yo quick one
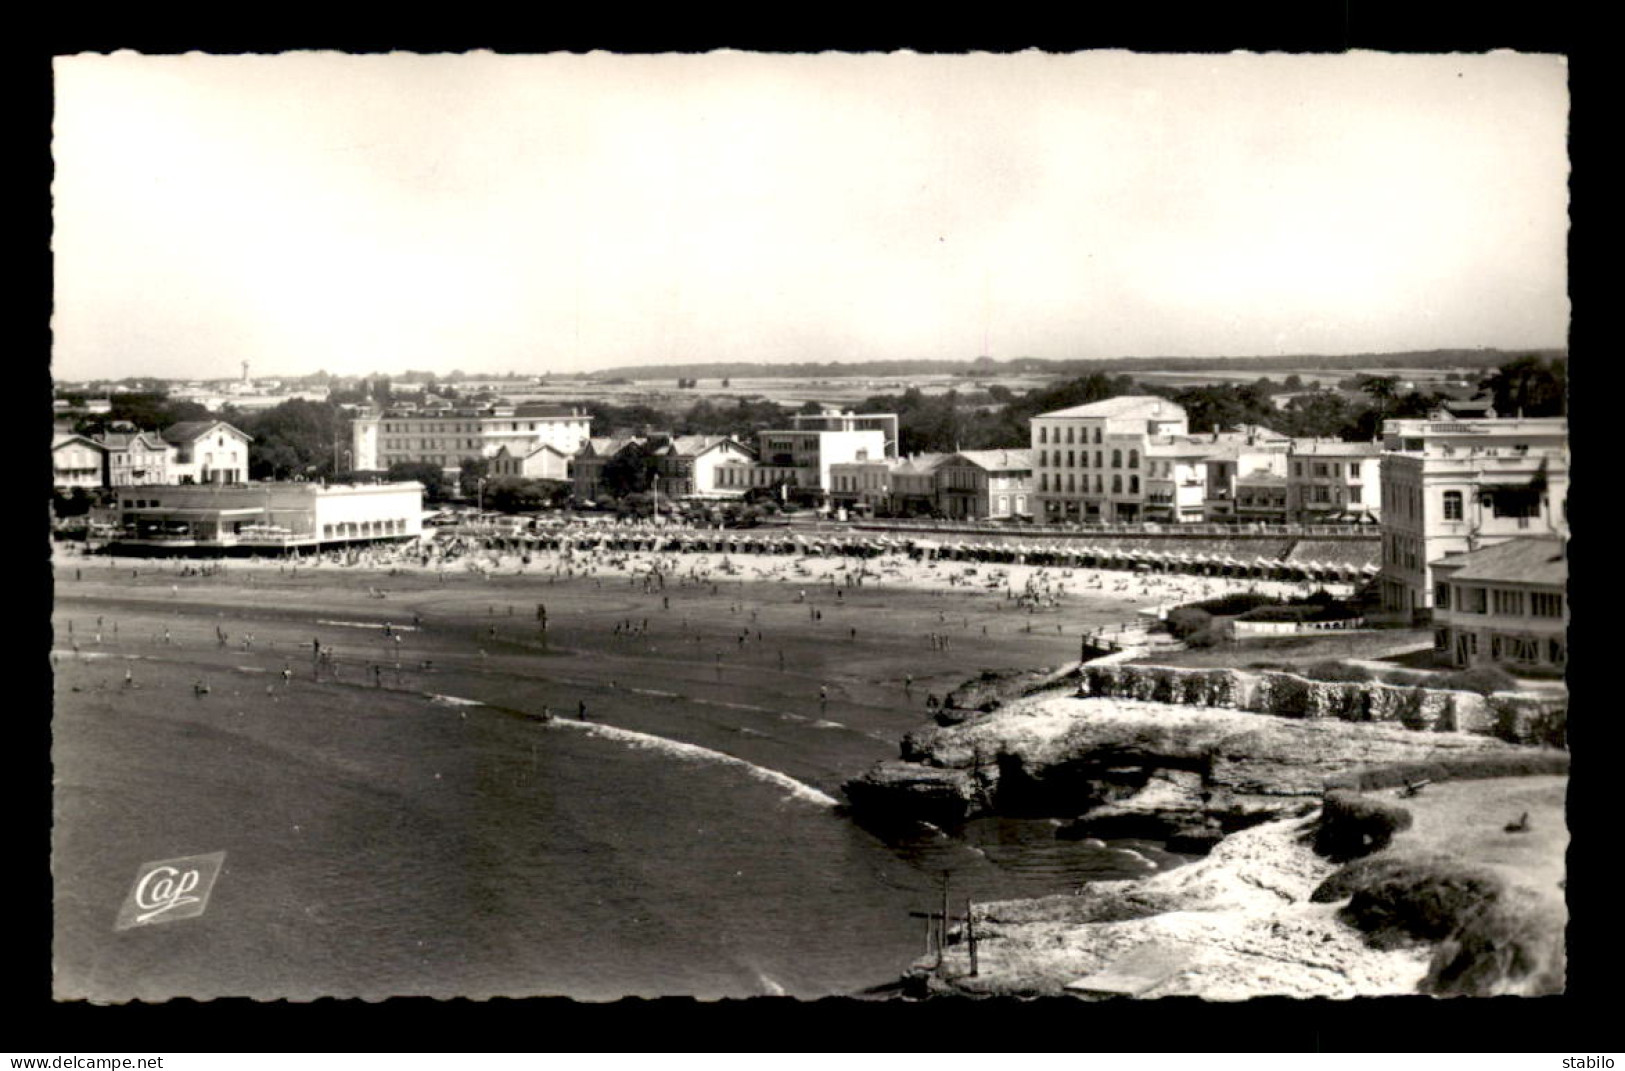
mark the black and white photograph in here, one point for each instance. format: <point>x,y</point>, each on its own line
<point>890,526</point>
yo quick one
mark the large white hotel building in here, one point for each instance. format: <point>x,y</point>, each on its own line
<point>447,437</point>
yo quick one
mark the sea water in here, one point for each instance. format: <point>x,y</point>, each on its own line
<point>435,845</point>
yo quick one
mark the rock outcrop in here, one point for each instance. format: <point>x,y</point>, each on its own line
<point>1138,768</point>
<point>1238,924</point>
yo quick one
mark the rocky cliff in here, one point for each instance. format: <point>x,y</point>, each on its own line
<point>1122,768</point>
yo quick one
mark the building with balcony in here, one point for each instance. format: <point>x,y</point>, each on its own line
<point>1333,482</point>
<point>815,442</point>
<point>862,486</point>
<point>77,461</point>
<point>207,451</point>
<point>448,437</point>
<point>985,484</point>
<point>1176,481</point>
<point>914,485</point>
<point>688,465</point>
<point>136,458</point>
<point>1455,486</point>
<point>1260,499</point>
<point>1504,605</point>
<point>1089,459</point>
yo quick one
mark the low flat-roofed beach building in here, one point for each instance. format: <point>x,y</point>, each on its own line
<point>264,517</point>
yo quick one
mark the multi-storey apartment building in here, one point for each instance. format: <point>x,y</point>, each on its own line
<point>1260,499</point>
<point>1195,477</point>
<point>449,437</point>
<point>985,484</point>
<point>1333,481</point>
<point>135,458</point>
<point>1089,459</point>
<point>1453,486</point>
<point>1506,604</point>
<point>1176,480</point>
<point>861,485</point>
<point>914,484</point>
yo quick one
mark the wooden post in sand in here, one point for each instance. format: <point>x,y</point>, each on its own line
<point>970,935</point>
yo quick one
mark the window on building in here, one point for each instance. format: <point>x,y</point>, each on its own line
<point>1117,485</point>
<point>1117,459</point>
<point>1441,639</point>
<point>1354,494</point>
<point>1297,468</point>
<point>1133,485</point>
<point>1097,435</point>
<point>1441,596</point>
<point>1133,459</point>
<point>1043,481</point>
<point>1043,434</point>
<point>1546,604</point>
<point>1452,505</point>
<point>1472,600</point>
<point>1556,652</point>
<point>1322,493</point>
<point>1069,432</point>
<point>1515,502</point>
<point>1508,603</point>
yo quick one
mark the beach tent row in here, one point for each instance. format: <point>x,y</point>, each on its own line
<point>1060,553</point>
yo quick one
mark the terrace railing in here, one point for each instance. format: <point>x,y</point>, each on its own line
<point>1242,530</point>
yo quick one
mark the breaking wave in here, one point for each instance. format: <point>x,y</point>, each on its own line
<point>695,753</point>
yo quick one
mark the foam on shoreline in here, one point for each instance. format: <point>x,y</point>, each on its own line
<point>694,753</point>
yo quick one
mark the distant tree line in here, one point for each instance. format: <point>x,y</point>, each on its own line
<point>310,440</point>
<point>1485,359</point>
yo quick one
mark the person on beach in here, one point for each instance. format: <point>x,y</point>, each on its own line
<point>581,709</point>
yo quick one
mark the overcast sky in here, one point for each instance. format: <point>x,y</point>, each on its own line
<point>570,213</point>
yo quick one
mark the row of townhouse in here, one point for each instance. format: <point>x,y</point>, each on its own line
<point>191,452</point>
<point>684,466</point>
<point>966,485</point>
<point>1132,458</point>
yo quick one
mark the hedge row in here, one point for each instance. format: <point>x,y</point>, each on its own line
<point>1518,718</point>
<point>1352,825</point>
<point>1455,768</point>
